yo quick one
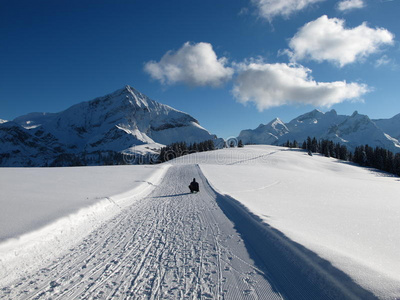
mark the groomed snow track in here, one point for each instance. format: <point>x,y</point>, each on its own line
<point>176,245</point>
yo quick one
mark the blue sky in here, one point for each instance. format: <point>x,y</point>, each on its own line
<point>230,64</point>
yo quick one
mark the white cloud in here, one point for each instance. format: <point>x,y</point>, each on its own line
<point>193,64</point>
<point>384,60</point>
<point>269,9</point>
<point>328,39</point>
<point>269,85</point>
<point>346,5</point>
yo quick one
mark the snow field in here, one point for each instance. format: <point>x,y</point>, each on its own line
<point>46,211</point>
<point>281,224</point>
<point>346,214</point>
<point>169,245</point>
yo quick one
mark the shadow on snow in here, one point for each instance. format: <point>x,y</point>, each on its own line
<point>297,272</point>
<point>170,196</point>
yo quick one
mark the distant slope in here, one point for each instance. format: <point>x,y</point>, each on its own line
<point>113,123</point>
<point>351,130</point>
<point>345,214</point>
<point>390,126</point>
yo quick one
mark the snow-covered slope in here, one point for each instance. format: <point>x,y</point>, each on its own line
<point>295,222</point>
<point>346,214</point>
<point>116,122</point>
<point>3,121</point>
<point>390,126</point>
<point>351,130</point>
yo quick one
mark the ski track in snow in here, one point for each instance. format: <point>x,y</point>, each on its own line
<point>177,245</point>
<point>169,245</point>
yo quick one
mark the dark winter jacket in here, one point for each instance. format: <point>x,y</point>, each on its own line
<point>194,186</point>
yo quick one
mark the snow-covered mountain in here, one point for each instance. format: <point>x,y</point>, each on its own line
<point>390,126</point>
<point>123,121</point>
<point>265,134</point>
<point>351,130</point>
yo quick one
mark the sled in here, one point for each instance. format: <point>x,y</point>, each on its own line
<point>193,191</point>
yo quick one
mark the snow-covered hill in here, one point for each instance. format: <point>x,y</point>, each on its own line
<point>277,224</point>
<point>351,130</point>
<point>344,213</point>
<point>117,122</point>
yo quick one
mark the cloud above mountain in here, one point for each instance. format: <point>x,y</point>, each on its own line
<point>326,39</point>
<point>193,64</point>
<point>270,85</point>
<point>270,9</point>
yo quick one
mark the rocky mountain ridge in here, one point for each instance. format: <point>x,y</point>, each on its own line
<point>352,131</point>
<point>125,121</point>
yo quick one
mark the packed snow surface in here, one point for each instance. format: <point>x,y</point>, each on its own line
<point>268,223</point>
<point>175,245</point>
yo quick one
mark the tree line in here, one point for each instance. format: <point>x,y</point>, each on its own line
<point>366,156</point>
<point>109,157</point>
<point>378,158</point>
<point>175,150</point>
<point>96,158</point>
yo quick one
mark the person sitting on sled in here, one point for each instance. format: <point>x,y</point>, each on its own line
<point>194,186</point>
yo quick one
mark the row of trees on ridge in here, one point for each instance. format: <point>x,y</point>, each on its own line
<point>175,150</point>
<point>366,156</point>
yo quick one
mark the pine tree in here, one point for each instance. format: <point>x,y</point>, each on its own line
<point>331,149</point>
<point>396,164</point>
<point>211,145</point>
<point>309,142</point>
<point>343,153</point>
<point>314,145</point>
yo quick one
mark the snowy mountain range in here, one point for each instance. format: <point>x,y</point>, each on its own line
<point>123,121</point>
<point>352,131</point>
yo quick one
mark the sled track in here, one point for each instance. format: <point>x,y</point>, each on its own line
<point>172,245</point>
<point>169,245</point>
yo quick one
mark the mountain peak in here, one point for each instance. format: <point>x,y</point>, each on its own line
<point>360,117</point>
<point>396,117</point>
<point>115,122</point>
<point>276,122</point>
<point>310,117</point>
<point>332,112</point>
<point>132,90</point>
<point>352,131</point>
